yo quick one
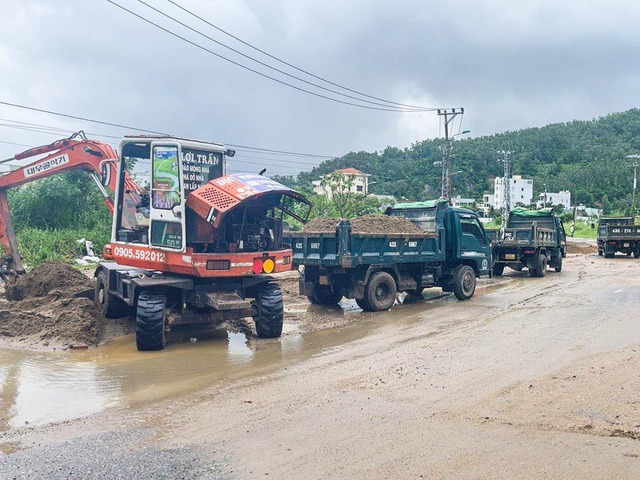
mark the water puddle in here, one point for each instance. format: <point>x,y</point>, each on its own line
<point>38,388</point>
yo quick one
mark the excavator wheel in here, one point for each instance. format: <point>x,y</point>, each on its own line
<point>150,319</point>
<point>110,305</point>
<point>270,317</point>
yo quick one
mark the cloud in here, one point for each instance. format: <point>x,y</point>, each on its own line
<point>511,65</point>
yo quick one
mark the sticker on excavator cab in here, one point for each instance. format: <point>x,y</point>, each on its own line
<point>166,234</point>
<point>166,180</point>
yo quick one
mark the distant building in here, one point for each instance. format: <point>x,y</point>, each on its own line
<point>360,182</point>
<point>521,191</point>
<point>562,197</point>
<point>462,202</point>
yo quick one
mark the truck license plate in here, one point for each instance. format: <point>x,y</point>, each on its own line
<point>509,256</point>
<point>625,244</point>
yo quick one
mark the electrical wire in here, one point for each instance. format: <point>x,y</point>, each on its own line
<point>166,15</point>
<point>319,95</point>
<point>417,108</point>
<point>126,127</point>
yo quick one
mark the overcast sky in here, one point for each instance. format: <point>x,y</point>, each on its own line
<point>510,64</point>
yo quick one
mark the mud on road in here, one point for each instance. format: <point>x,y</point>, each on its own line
<point>532,378</point>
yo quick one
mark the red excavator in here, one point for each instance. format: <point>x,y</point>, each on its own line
<point>196,247</point>
<point>202,243</point>
<point>73,153</point>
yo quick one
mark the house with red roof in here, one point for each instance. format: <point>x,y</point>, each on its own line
<point>359,182</point>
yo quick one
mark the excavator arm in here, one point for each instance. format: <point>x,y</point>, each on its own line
<point>73,153</point>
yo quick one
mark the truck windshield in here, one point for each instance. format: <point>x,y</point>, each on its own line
<point>424,218</point>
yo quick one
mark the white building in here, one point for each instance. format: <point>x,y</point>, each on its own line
<point>562,197</point>
<point>360,182</point>
<point>521,191</point>
<point>458,201</point>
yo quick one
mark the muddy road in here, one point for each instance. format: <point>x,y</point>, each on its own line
<point>532,378</point>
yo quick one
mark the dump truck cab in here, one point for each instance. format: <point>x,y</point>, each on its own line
<point>462,236</point>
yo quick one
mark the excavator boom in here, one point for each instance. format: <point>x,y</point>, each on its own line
<point>73,153</point>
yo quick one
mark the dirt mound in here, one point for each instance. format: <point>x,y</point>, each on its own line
<point>46,278</point>
<point>584,248</point>
<point>46,309</point>
<point>373,223</point>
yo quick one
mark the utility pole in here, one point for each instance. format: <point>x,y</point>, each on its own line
<point>449,115</point>
<point>506,184</point>
<point>635,182</point>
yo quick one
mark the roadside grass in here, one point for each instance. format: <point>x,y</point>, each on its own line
<point>39,246</point>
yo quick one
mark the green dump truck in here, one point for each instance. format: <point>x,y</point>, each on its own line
<point>446,247</point>
<point>618,234</point>
<point>532,239</point>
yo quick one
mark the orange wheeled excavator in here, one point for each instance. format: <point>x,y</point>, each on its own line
<point>203,248</point>
<point>197,247</point>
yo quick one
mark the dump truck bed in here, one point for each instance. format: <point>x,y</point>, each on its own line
<point>347,249</point>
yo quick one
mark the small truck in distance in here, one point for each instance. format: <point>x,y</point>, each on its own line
<point>374,257</point>
<point>531,239</point>
<point>618,234</point>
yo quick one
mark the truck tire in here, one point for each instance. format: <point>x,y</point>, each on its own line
<point>599,252</point>
<point>381,291</point>
<point>110,305</point>
<point>608,255</point>
<point>464,282</point>
<point>498,269</point>
<point>270,317</point>
<point>364,304</point>
<point>325,295</point>
<point>558,265</point>
<point>636,253</point>
<point>150,321</point>
<point>541,267</point>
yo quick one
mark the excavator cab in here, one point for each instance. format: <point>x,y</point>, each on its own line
<point>170,169</point>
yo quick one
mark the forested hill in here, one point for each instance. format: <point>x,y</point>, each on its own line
<point>585,157</point>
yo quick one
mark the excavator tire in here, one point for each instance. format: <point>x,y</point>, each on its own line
<point>150,318</point>
<point>270,317</point>
<point>110,305</point>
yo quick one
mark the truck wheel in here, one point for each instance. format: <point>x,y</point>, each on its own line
<point>609,255</point>
<point>541,267</point>
<point>599,252</point>
<point>498,269</point>
<point>364,304</point>
<point>150,313</point>
<point>110,305</point>
<point>636,253</point>
<point>325,295</point>
<point>381,291</point>
<point>464,282</point>
<point>270,311</point>
<point>558,265</point>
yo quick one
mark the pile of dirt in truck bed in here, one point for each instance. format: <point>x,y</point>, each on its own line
<point>46,309</point>
<point>381,224</point>
<point>584,248</point>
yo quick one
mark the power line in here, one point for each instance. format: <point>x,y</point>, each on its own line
<point>166,30</point>
<point>166,15</point>
<point>417,108</point>
<point>126,127</point>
